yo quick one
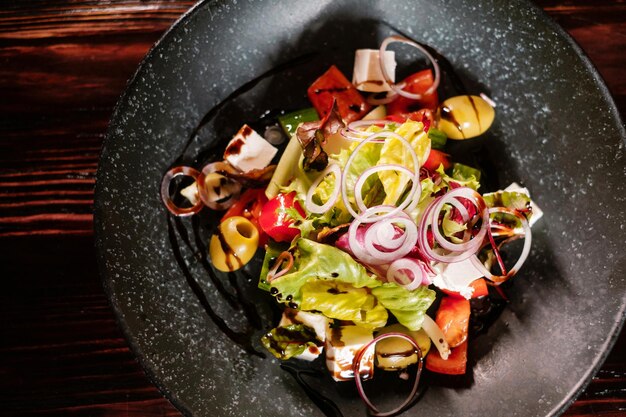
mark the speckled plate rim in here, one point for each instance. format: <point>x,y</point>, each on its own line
<point>560,408</point>
<point>98,227</point>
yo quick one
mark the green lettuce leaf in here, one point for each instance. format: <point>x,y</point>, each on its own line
<point>317,261</point>
<point>461,172</point>
<point>409,307</point>
<point>451,227</point>
<point>510,199</point>
<point>471,181</point>
<point>341,301</point>
<point>395,152</point>
<point>285,342</point>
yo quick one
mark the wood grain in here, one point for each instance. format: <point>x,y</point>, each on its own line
<point>63,65</point>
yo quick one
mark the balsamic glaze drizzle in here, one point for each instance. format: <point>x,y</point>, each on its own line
<point>240,338</point>
<point>289,64</point>
<point>326,405</point>
<point>201,255</point>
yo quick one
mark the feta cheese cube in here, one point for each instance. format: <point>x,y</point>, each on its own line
<point>248,150</point>
<point>367,75</point>
<point>342,345</point>
<point>457,277</point>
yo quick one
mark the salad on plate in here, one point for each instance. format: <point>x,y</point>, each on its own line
<point>375,239</point>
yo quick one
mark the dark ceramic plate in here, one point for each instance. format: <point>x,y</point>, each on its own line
<point>557,132</point>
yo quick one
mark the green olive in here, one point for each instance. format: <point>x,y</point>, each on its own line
<point>233,244</point>
<point>394,353</point>
<point>465,117</point>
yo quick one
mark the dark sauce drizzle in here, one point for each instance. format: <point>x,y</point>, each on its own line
<point>241,338</point>
<point>326,405</point>
<point>299,60</point>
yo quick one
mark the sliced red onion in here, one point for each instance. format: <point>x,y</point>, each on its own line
<point>415,186</point>
<point>451,198</point>
<point>436,335</point>
<point>398,269</point>
<point>310,205</point>
<point>354,126</point>
<point>396,87</point>
<point>356,367</point>
<point>360,182</point>
<point>456,252</point>
<point>274,273</point>
<point>222,197</point>
<point>364,249</point>
<point>354,132</point>
<point>499,279</point>
<point>165,191</point>
<point>394,248</point>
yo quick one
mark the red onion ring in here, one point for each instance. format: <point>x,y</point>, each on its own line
<point>499,279</point>
<point>272,274</point>
<point>396,250</point>
<point>360,182</point>
<point>369,254</point>
<point>396,87</point>
<point>202,188</point>
<point>457,252</point>
<point>450,198</point>
<point>165,191</point>
<point>416,267</point>
<point>352,132</point>
<point>315,208</point>
<point>356,367</point>
<point>415,186</point>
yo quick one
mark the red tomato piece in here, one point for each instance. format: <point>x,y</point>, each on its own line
<point>453,319</point>
<point>333,85</point>
<point>249,205</point>
<point>480,289</point>
<point>456,363</point>
<point>417,83</point>
<point>436,158</point>
<point>275,219</point>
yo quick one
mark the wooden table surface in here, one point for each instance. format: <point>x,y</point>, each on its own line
<point>63,65</point>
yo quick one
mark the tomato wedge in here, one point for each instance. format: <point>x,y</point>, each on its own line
<point>249,205</point>
<point>480,289</point>
<point>333,85</point>
<point>453,319</point>
<point>417,83</point>
<point>275,219</point>
<point>456,364</point>
<point>436,158</point>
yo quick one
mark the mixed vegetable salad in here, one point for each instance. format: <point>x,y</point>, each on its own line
<point>365,221</point>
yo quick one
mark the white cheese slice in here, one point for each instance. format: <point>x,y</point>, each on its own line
<point>457,277</point>
<point>191,193</point>
<point>367,75</point>
<point>342,345</point>
<point>317,322</point>
<point>537,212</point>
<point>248,150</point>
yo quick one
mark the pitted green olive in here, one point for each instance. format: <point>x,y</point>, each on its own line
<point>233,244</point>
<point>394,353</point>
<point>465,117</point>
